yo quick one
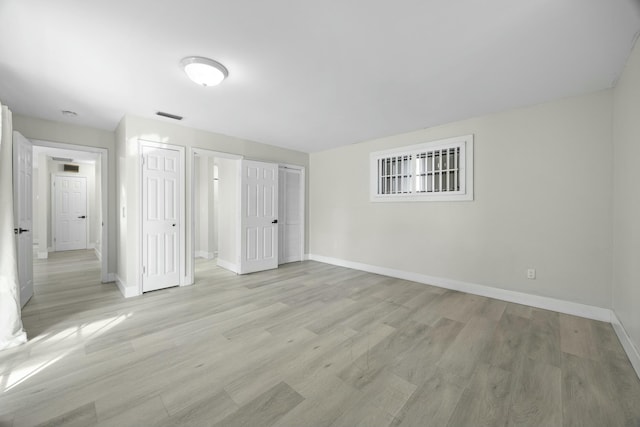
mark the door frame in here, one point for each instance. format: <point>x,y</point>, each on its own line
<point>303,193</point>
<point>103,153</point>
<point>87,234</point>
<point>182,247</point>
<point>192,191</point>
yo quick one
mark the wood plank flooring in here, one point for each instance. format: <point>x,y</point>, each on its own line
<point>308,344</point>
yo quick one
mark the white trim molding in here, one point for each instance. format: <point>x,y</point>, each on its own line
<point>627,344</point>
<point>125,290</point>
<point>547,303</point>
<point>227,265</point>
<point>43,254</point>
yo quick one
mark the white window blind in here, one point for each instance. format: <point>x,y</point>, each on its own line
<point>438,170</point>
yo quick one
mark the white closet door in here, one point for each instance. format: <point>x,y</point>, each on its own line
<point>160,218</point>
<point>70,212</point>
<point>259,216</point>
<point>291,233</point>
<point>23,189</point>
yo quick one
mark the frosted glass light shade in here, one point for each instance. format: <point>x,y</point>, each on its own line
<point>204,71</point>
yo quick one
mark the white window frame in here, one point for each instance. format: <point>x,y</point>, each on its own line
<point>464,171</point>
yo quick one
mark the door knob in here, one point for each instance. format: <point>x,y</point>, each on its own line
<point>275,221</point>
<point>83,216</point>
<point>22,230</point>
<point>173,225</point>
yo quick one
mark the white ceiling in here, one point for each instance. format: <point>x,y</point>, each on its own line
<point>308,75</point>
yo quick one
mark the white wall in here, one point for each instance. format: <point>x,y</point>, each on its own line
<point>228,212</point>
<point>199,214</point>
<point>98,208</point>
<point>128,134</point>
<point>41,206</point>
<point>122,221</point>
<point>204,203</point>
<point>626,199</point>
<point>34,128</point>
<point>214,208</point>
<point>35,193</point>
<point>543,179</point>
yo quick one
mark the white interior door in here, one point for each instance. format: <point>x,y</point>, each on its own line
<point>161,188</point>
<point>291,215</point>
<point>258,216</point>
<point>70,210</point>
<point>23,205</point>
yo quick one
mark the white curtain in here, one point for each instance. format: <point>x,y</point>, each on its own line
<point>11,332</point>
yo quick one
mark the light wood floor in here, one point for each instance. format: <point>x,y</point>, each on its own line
<point>308,344</point>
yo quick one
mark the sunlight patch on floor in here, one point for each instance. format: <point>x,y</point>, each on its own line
<point>82,333</point>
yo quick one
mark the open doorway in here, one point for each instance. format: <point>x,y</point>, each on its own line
<point>215,209</point>
<point>291,189</point>
<point>55,227</point>
<point>221,191</point>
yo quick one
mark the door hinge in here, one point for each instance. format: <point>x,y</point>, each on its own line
<point>142,160</point>
<point>144,270</point>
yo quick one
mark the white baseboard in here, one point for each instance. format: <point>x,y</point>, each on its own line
<point>561,306</point>
<point>228,265</point>
<point>205,255</point>
<point>91,245</point>
<point>111,277</point>
<point>627,344</point>
<point>98,253</point>
<point>547,303</point>
<point>43,254</point>
<point>126,291</point>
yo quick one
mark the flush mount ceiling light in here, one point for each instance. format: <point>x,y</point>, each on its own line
<point>204,71</point>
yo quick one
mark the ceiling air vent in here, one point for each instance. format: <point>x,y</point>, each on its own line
<point>170,116</point>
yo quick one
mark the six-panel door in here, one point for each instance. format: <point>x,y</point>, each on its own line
<point>160,218</point>
<point>23,175</point>
<point>259,216</point>
<point>70,212</point>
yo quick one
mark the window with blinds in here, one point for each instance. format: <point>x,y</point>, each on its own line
<point>438,170</point>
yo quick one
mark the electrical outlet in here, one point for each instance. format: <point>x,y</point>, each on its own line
<point>531,273</point>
